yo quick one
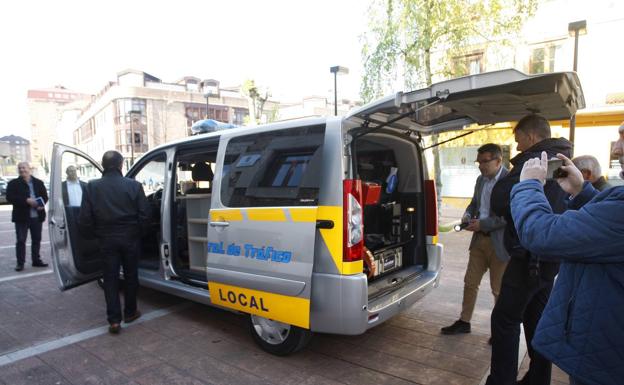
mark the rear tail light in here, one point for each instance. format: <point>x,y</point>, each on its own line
<point>431,208</point>
<point>353,220</point>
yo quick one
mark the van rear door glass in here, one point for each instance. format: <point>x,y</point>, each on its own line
<point>276,168</point>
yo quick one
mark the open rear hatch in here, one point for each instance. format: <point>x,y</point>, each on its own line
<point>394,223</point>
<point>487,98</point>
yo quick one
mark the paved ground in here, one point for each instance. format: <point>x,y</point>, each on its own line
<point>53,337</point>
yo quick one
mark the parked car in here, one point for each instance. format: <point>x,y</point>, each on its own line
<point>274,221</point>
<point>3,186</point>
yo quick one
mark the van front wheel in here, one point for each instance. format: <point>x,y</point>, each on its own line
<point>276,337</point>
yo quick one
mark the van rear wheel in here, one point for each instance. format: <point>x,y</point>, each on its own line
<point>276,337</point>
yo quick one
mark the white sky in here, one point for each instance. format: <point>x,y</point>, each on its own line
<point>285,45</point>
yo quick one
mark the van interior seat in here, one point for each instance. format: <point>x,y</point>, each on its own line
<point>201,172</point>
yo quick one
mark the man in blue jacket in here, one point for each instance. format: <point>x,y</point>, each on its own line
<point>582,327</point>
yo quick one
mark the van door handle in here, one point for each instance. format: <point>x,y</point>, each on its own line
<point>219,224</point>
<point>324,224</point>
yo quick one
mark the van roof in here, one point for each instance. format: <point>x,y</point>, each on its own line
<point>244,130</point>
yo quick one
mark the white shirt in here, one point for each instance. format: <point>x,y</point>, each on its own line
<point>74,193</point>
<point>486,193</point>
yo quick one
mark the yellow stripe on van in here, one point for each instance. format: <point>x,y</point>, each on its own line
<point>283,308</point>
<point>333,240</point>
<point>350,268</point>
<point>270,215</point>
<point>307,214</point>
<point>226,215</point>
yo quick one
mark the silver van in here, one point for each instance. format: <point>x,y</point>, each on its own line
<point>316,225</point>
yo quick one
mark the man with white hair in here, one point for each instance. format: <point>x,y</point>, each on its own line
<point>590,168</point>
<point>28,196</point>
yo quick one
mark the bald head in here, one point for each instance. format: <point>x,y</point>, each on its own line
<point>112,160</point>
<point>71,173</point>
<point>23,169</point>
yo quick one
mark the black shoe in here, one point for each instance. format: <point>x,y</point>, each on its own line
<point>19,267</point>
<point>458,327</point>
<point>133,317</point>
<point>39,263</point>
<point>114,328</point>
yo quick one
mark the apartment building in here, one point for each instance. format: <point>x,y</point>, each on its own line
<point>45,108</point>
<point>139,111</point>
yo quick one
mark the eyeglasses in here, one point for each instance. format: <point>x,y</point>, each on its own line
<point>479,162</point>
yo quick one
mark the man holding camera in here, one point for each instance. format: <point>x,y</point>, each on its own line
<point>487,251</point>
<point>527,281</point>
<point>28,196</point>
<point>581,329</point>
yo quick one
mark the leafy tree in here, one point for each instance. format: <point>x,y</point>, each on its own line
<point>404,34</point>
<point>256,99</point>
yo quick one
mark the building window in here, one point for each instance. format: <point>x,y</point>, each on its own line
<point>471,64</point>
<point>87,130</point>
<point>239,116</point>
<point>544,58</point>
<point>195,112</point>
<point>123,108</point>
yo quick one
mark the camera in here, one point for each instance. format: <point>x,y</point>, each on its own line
<point>554,170</point>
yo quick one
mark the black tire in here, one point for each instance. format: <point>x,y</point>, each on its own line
<point>285,343</point>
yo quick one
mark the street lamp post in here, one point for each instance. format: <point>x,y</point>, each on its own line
<point>207,94</point>
<point>210,87</point>
<point>337,70</point>
<point>576,29</point>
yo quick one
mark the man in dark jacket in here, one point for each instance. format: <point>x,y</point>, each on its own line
<point>114,209</point>
<point>582,328</point>
<point>28,196</point>
<point>72,188</point>
<point>527,281</point>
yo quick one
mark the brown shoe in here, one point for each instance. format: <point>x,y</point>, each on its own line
<point>133,317</point>
<point>114,328</point>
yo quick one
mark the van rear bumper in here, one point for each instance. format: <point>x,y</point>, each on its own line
<point>340,302</point>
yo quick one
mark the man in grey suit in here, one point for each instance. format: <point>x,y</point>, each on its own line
<point>487,250</point>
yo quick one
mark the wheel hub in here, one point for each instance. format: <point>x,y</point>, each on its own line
<point>272,332</point>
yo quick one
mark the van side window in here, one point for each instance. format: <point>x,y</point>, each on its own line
<point>277,168</point>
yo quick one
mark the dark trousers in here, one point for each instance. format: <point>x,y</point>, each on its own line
<point>575,382</point>
<point>21,233</point>
<point>521,300</point>
<point>120,251</point>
